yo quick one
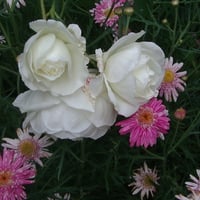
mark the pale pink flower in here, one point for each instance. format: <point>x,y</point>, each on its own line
<point>57,196</point>
<point>150,122</point>
<point>180,113</point>
<point>195,184</point>
<point>17,2</point>
<point>15,172</point>
<point>192,196</point>
<point>30,146</point>
<point>2,39</point>
<point>172,82</point>
<point>104,12</point>
<point>145,180</point>
<point>193,187</point>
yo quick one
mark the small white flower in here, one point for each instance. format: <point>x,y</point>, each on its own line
<point>57,196</point>
<point>2,39</point>
<point>17,2</point>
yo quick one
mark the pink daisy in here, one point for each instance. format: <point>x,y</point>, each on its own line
<point>147,124</point>
<point>145,180</point>
<point>15,172</point>
<point>172,82</point>
<point>30,146</point>
<point>104,12</point>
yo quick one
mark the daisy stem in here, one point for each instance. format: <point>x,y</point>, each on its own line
<point>63,9</point>
<point>125,30</point>
<point>43,11</point>
<point>82,164</point>
<point>174,135</point>
<point>155,156</point>
<point>174,30</point>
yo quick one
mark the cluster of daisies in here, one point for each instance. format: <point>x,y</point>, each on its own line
<point>18,164</point>
<point>18,160</point>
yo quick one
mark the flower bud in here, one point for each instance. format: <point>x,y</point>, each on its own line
<point>175,2</point>
<point>180,113</point>
<point>118,11</point>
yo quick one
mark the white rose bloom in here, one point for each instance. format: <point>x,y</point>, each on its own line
<point>53,59</point>
<point>87,113</point>
<point>133,72</point>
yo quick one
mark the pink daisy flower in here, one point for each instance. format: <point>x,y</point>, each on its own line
<point>145,180</point>
<point>104,12</point>
<point>30,146</point>
<point>15,172</point>
<point>147,124</point>
<point>172,82</point>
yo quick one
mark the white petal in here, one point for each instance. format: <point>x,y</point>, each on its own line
<point>34,101</point>
<point>57,118</point>
<point>120,64</point>
<point>78,100</point>
<point>122,107</point>
<point>104,113</point>
<point>123,42</point>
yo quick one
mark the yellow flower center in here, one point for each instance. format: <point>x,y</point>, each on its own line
<point>145,117</point>
<point>108,13</point>
<point>5,178</point>
<point>27,148</point>
<point>169,76</point>
<point>148,181</point>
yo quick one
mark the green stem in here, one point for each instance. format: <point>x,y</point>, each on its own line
<point>43,11</point>
<point>174,31</point>
<point>155,156</point>
<point>174,135</point>
<point>125,30</point>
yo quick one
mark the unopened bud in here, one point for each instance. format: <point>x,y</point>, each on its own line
<point>180,113</point>
<point>175,2</point>
<point>165,21</point>
<point>118,11</point>
<point>128,11</point>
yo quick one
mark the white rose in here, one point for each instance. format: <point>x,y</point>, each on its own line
<point>133,72</point>
<point>87,113</point>
<point>53,59</point>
